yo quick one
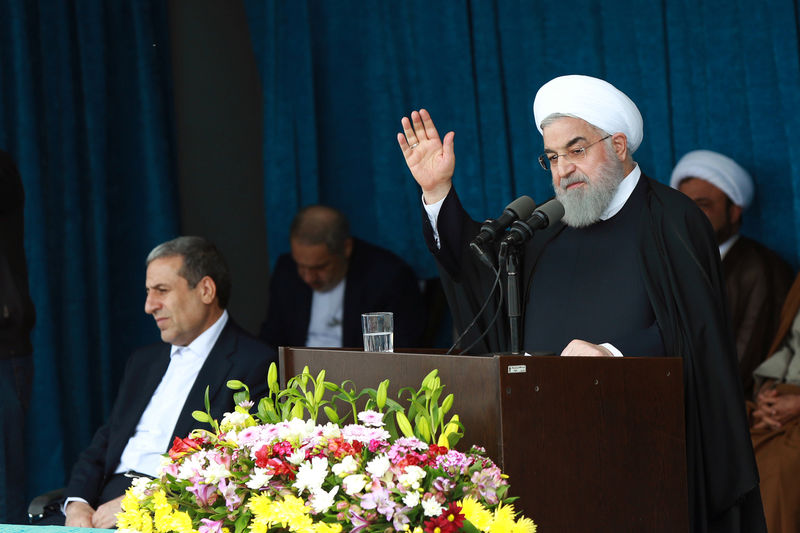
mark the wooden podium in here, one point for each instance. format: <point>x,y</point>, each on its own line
<point>589,443</point>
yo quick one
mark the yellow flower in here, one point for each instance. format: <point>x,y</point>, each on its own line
<point>261,505</point>
<point>324,527</point>
<point>525,525</point>
<point>182,522</point>
<point>476,513</point>
<point>503,521</point>
<point>129,502</point>
<point>135,520</point>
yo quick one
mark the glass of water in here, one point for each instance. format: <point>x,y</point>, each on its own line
<point>378,330</point>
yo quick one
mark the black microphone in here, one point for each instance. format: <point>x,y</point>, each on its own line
<point>546,214</point>
<point>520,208</point>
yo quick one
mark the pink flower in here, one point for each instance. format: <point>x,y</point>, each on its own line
<point>210,526</point>
<point>228,490</point>
<point>204,494</point>
<point>371,418</point>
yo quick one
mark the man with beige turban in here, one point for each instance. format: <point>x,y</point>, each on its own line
<point>632,269</point>
<point>756,278</point>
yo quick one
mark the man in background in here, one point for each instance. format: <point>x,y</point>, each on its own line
<point>756,278</point>
<point>188,288</point>
<point>16,359</point>
<point>318,292</point>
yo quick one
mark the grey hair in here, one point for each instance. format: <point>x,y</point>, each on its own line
<point>200,259</point>
<point>321,224</point>
<point>552,117</point>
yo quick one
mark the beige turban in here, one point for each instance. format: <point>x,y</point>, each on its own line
<point>720,171</point>
<point>596,101</point>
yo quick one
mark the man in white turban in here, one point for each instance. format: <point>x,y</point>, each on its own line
<point>756,278</point>
<point>631,270</point>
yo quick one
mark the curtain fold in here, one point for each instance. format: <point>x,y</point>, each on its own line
<point>714,74</point>
<point>86,112</point>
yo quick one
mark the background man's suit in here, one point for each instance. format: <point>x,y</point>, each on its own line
<point>235,355</point>
<point>377,280</point>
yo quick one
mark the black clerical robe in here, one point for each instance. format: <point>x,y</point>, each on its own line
<point>677,266</point>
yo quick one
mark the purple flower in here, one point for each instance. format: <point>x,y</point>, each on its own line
<point>228,490</point>
<point>380,500</point>
<point>356,432</point>
<point>485,483</point>
<point>443,484</point>
<point>453,462</point>
<point>204,494</point>
<point>371,418</point>
<point>210,526</point>
<point>358,521</point>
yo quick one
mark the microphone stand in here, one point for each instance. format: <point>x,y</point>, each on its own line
<point>511,255</point>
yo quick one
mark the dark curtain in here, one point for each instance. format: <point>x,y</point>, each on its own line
<point>85,109</point>
<point>338,76</point>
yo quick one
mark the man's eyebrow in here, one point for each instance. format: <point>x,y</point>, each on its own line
<point>571,143</point>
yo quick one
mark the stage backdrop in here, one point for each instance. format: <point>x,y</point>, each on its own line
<point>85,109</point>
<point>338,76</point>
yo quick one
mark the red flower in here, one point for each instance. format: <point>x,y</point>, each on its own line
<point>450,521</point>
<point>181,447</point>
<point>262,456</point>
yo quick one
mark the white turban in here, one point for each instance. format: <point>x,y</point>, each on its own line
<point>720,171</point>
<point>596,101</point>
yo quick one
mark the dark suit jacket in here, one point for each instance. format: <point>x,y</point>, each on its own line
<point>236,355</point>
<point>757,281</point>
<point>377,280</point>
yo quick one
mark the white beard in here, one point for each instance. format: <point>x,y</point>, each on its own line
<point>584,205</point>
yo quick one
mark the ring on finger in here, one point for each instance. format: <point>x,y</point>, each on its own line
<point>414,145</point>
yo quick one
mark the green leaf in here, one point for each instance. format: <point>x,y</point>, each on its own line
<point>380,399</point>
<point>272,378</point>
<point>424,429</point>
<point>404,424</point>
<point>239,397</point>
<point>297,410</point>
<point>332,415</point>
<point>208,402</point>
<point>242,522</point>
<point>201,416</point>
<point>447,404</point>
<point>426,382</point>
<point>235,384</point>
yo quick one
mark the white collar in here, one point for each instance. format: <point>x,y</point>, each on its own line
<point>624,191</point>
<point>725,247</point>
<point>204,342</point>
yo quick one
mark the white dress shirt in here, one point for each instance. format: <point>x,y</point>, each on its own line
<point>327,313</point>
<point>146,447</point>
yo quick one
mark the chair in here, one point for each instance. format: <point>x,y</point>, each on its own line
<point>45,505</point>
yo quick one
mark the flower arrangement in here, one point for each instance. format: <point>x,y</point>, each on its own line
<point>389,469</point>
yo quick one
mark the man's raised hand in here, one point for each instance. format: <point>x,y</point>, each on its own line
<point>430,161</point>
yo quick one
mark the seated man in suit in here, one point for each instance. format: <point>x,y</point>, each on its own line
<point>188,287</point>
<point>756,278</point>
<point>317,294</point>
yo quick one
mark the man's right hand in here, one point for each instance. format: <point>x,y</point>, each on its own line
<point>431,163</point>
<point>79,514</point>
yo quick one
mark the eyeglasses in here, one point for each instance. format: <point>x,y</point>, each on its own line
<point>573,155</point>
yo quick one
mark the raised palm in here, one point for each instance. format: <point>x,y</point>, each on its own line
<point>430,161</point>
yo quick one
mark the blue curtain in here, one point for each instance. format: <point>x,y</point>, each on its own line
<point>85,109</point>
<point>338,76</point>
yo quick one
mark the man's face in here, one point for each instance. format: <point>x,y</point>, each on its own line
<point>723,214</point>
<point>318,267</point>
<point>585,185</point>
<point>181,312</point>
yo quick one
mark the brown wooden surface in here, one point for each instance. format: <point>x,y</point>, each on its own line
<point>472,380</point>
<point>596,444</point>
<point>589,444</point>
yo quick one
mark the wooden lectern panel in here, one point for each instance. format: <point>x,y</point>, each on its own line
<point>472,380</point>
<point>596,444</point>
<point>589,443</point>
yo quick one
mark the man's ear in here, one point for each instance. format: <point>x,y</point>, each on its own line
<point>348,247</point>
<point>208,290</point>
<point>734,213</point>
<point>620,143</point>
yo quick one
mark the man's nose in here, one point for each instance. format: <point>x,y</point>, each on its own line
<point>150,304</point>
